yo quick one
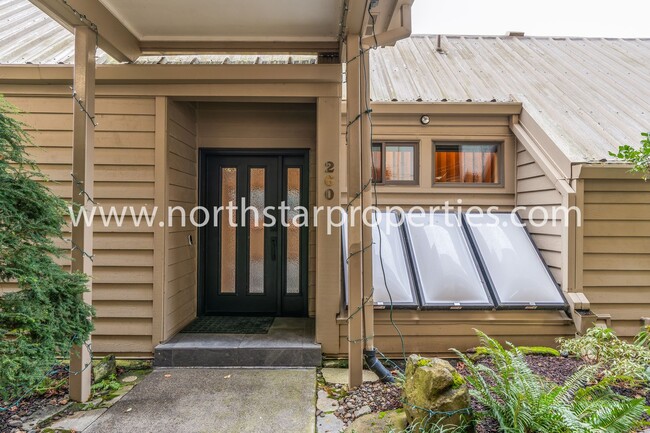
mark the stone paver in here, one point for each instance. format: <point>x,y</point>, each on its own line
<point>79,421</point>
<point>329,423</point>
<point>216,400</point>
<point>340,375</point>
<point>324,403</point>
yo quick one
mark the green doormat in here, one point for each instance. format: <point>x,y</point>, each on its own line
<point>229,325</point>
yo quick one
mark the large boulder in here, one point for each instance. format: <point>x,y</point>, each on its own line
<point>392,421</point>
<point>434,393</point>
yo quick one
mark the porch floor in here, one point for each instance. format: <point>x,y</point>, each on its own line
<point>289,343</point>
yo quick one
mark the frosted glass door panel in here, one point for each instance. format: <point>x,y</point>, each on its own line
<point>518,274</point>
<point>446,270</point>
<point>228,230</point>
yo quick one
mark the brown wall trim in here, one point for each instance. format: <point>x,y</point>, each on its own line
<point>176,74</point>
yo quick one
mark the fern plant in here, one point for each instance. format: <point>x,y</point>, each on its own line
<point>523,402</point>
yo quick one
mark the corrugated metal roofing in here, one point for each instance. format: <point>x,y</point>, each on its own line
<point>590,95</point>
<point>30,36</point>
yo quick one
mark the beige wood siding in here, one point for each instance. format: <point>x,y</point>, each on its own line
<point>264,126</point>
<point>538,195</point>
<point>435,332</point>
<point>124,176</point>
<point>181,262</point>
<point>616,258</point>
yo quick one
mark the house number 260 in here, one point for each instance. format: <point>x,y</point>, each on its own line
<point>329,179</point>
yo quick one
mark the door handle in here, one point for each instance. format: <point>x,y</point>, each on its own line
<point>273,249</point>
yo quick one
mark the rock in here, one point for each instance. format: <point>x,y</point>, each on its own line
<point>15,423</point>
<point>129,379</point>
<point>329,423</point>
<point>325,403</point>
<point>382,422</point>
<point>363,410</point>
<point>432,384</point>
<point>105,368</point>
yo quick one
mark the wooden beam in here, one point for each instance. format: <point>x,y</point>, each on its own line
<point>367,200</point>
<point>83,173</point>
<point>114,37</point>
<point>238,47</point>
<point>328,265</point>
<point>355,282</point>
<point>176,74</point>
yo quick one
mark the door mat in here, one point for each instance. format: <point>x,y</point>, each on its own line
<point>229,325</point>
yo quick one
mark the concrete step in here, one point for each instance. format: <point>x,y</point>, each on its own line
<point>289,343</point>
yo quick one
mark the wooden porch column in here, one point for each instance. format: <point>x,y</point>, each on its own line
<point>367,201</point>
<point>82,190</point>
<point>355,246</point>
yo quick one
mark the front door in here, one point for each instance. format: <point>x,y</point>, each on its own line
<point>255,246</point>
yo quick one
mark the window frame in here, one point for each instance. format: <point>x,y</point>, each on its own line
<point>499,304</point>
<point>500,161</point>
<point>416,161</point>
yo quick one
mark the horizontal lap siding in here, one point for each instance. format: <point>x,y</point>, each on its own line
<point>536,192</point>
<point>182,174</point>
<point>616,263</point>
<point>435,332</point>
<point>124,176</point>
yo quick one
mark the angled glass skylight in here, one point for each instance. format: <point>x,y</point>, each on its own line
<point>515,269</point>
<point>392,263</point>
<point>447,273</point>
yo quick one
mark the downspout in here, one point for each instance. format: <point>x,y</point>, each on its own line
<point>370,356</point>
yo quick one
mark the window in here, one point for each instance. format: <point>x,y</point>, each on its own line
<point>445,268</point>
<point>450,261</point>
<point>467,163</point>
<point>394,281</point>
<point>516,271</point>
<point>395,163</point>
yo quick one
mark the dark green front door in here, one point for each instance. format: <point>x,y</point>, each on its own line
<point>254,255</point>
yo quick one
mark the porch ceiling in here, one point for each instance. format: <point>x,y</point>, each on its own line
<point>228,20</point>
<point>128,29</point>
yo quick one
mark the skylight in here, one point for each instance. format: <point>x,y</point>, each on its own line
<point>517,273</point>
<point>391,275</point>
<point>446,270</point>
<point>477,261</point>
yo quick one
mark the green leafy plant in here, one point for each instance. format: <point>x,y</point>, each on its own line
<point>616,357</point>
<point>523,402</point>
<point>46,316</point>
<point>109,384</point>
<point>640,158</point>
<point>643,337</point>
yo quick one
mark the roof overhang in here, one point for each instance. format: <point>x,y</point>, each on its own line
<point>128,29</point>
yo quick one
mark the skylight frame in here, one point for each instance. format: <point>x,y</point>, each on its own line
<point>491,302</point>
<point>499,304</point>
<point>416,303</point>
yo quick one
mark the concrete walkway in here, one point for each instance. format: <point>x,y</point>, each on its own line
<point>216,400</point>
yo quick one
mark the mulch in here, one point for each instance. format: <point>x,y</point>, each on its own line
<point>30,404</point>
<point>380,397</point>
